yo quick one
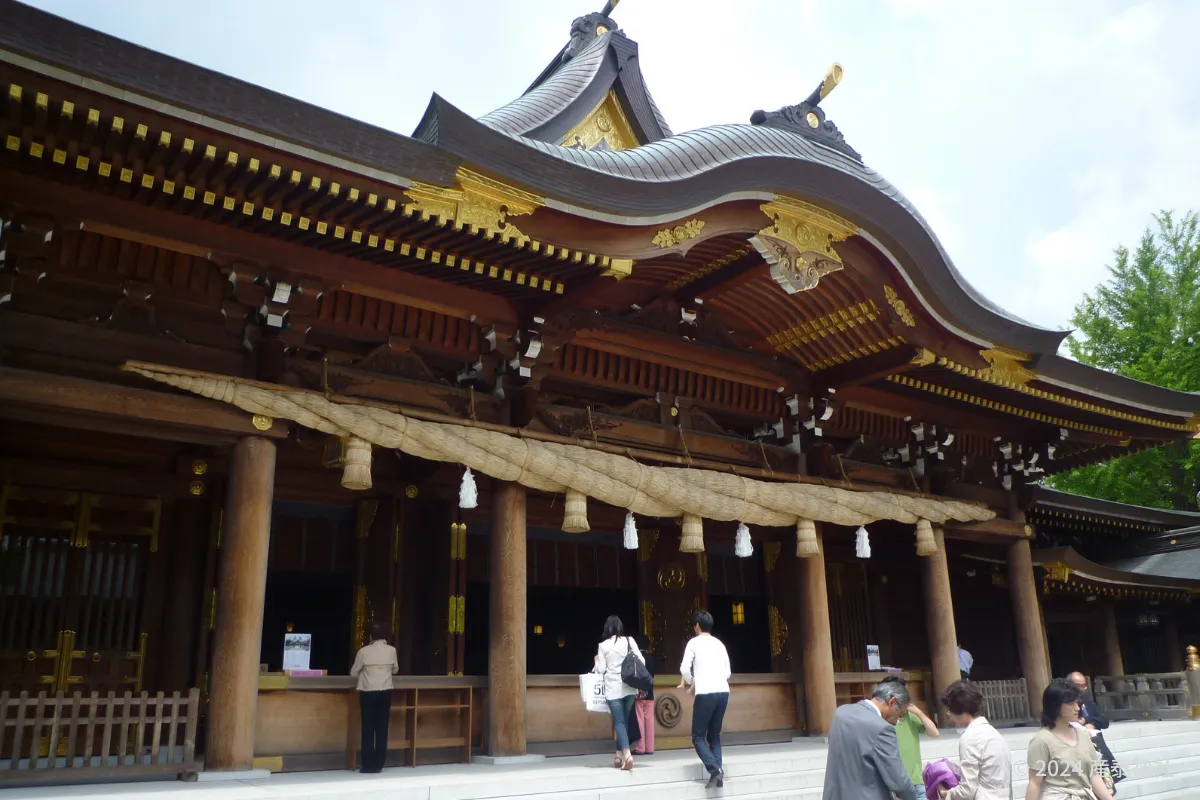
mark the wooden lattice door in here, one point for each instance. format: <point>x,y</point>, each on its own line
<point>73,569</point>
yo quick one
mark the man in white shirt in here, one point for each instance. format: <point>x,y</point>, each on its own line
<point>965,662</point>
<point>705,670</point>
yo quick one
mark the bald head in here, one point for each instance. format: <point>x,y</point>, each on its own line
<point>1079,680</point>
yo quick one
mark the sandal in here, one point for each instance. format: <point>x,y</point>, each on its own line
<point>616,763</point>
<point>628,763</point>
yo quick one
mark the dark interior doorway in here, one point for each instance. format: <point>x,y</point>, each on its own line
<point>744,630</point>
<point>571,622</point>
<point>322,605</point>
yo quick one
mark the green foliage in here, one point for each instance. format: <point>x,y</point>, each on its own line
<point>1144,323</point>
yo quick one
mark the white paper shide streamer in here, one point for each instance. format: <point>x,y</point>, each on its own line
<point>742,548</point>
<point>631,539</point>
<point>468,495</point>
<point>862,543</point>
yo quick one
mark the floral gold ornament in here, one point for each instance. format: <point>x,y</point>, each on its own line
<point>813,120</point>
<point>199,466</point>
<point>262,422</point>
<point>411,492</point>
<point>669,237</point>
<point>196,488</point>
<point>898,305</point>
<point>799,243</point>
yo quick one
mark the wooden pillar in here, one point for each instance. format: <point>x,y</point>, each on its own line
<point>820,694</point>
<point>1031,641</point>
<point>506,623</point>
<point>241,589</point>
<point>1174,645</point>
<point>939,618</point>
<point>1113,663</point>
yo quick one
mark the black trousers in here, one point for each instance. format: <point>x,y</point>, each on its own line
<point>376,710</point>
<point>708,712</point>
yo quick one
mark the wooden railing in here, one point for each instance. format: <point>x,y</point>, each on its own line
<point>59,739</point>
<point>1006,702</point>
<point>1163,695</point>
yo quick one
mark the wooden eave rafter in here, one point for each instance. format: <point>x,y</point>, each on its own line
<point>460,234</point>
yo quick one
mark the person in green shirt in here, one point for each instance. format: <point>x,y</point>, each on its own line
<point>908,731</point>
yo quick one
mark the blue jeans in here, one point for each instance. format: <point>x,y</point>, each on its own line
<point>708,712</point>
<point>620,710</point>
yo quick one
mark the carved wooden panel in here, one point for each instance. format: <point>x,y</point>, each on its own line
<point>381,319</point>
<point>636,376</point>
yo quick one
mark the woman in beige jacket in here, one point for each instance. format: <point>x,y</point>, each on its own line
<point>374,667</point>
<point>983,756</point>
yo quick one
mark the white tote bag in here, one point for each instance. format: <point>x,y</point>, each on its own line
<point>591,690</point>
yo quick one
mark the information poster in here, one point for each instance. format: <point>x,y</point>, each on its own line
<point>297,647</point>
<point>873,657</point>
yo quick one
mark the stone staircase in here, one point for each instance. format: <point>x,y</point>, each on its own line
<point>1162,758</point>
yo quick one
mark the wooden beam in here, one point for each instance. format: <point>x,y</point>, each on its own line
<point>105,346</point>
<point>725,278</point>
<point>41,391</point>
<point>868,369</point>
<point>993,529</point>
<point>187,234</point>
<point>657,348</point>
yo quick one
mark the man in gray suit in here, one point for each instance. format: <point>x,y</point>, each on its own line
<point>864,758</point>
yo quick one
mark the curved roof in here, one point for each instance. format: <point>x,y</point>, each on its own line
<point>550,98</point>
<point>686,171</point>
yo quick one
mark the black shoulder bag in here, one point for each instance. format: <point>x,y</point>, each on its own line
<point>634,672</point>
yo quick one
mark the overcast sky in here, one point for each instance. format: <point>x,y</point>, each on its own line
<point>1033,135</point>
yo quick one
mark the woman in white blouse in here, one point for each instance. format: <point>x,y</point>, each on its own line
<point>609,658</point>
<point>983,756</point>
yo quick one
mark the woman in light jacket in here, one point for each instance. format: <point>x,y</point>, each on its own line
<point>983,756</point>
<point>609,657</point>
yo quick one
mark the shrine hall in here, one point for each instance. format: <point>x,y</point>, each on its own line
<point>270,376</point>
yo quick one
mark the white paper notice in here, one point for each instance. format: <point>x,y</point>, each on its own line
<point>873,657</point>
<point>297,647</point>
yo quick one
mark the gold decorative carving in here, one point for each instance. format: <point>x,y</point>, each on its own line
<point>809,330</point>
<point>799,243</point>
<point>1006,408</point>
<point>607,124</point>
<point>672,576</point>
<point>262,422</point>
<point>1058,571</point>
<point>196,488</point>
<point>924,357</point>
<point>475,202</point>
<point>1006,370</point>
<point>411,492</point>
<point>898,305</point>
<point>771,552</point>
<point>778,630</point>
<point>360,617</point>
<point>646,615</point>
<point>1193,658</point>
<point>710,268</point>
<point>199,466</point>
<point>813,120</point>
<point>647,541</point>
<point>669,237</point>
<point>618,268</point>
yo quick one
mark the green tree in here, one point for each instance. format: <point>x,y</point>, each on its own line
<point>1144,323</point>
